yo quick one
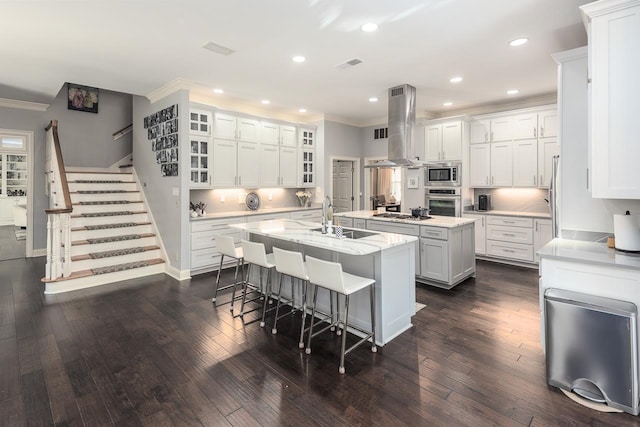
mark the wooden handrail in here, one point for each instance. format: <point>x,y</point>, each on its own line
<point>63,173</point>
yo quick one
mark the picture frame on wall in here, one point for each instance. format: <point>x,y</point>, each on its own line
<point>82,98</point>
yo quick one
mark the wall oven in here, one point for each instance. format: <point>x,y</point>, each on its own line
<point>443,174</point>
<point>444,201</point>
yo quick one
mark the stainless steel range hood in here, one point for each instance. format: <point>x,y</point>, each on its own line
<point>402,120</point>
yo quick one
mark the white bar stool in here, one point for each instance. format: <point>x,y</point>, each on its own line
<point>256,254</point>
<point>329,275</point>
<point>291,263</point>
<point>226,247</point>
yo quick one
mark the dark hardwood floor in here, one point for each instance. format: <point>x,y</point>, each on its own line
<point>155,352</point>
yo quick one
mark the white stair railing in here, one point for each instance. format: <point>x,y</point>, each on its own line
<point>60,208</point>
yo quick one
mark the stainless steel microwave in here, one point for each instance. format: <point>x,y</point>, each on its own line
<point>443,174</point>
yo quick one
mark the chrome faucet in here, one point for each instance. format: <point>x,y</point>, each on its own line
<point>326,205</point>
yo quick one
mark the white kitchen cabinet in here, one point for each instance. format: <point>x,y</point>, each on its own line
<point>479,165</point>
<point>360,223</point>
<point>269,165</point>
<point>310,215</point>
<point>479,131</point>
<point>343,221</point>
<point>542,234</point>
<point>501,164</point>
<point>614,67</point>
<point>548,124</point>
<point>200,161</point>
<point>399,228</point>
<point>248,130</point>
<point>225,159</point>
<point>525,126</point>
<point>288,166</point>
<point>248,164</point>
<point>480,228</point>
<point>443,142</point>
<point>307,168</point>
<point>547,148</point>
<point>525,163</point>
<point>204,253</point>
<point>199,122</point>
<point>434,259</point>
<point>224,126</point>
<point>307,138</point>
<point>502,129</point>
<point>276,134</point>
<point>510,238</point>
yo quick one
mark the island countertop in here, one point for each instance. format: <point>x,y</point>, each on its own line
<point>434,221</point>
<point>302,232</point>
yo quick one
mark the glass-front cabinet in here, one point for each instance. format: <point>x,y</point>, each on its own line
<point>13,175</point>
<point>200,165</point>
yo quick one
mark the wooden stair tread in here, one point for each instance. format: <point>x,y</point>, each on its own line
<point>101,172</point>
<point>110,228</point>
<point>114,192</point>
<point>87,256</point>
<point>86,242</point>
<point>132,213</point>
<point>130,201</point>
<point>87,273</point>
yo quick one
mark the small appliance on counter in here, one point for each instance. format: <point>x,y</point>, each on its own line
<point>484,202</point>
<point>626,229</point>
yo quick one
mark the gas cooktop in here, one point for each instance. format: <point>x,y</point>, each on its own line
<point>401,216</point>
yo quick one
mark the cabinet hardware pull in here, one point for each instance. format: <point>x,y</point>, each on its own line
<point>541,131</point>
<point>587,178</point>
<point>536,226</point>
<point>508,250</point>
<point>443,155</point>
<point>508,234</point>
<point>487,179</point>
<point>534,132</point>
<point>486,136</point>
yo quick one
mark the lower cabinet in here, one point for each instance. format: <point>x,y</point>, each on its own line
<point>447,255</point>
<point>343,221</point>
<point>359,223</point>
<point>398,228</point>
<point>542,234</point>
<point>434,259</point>
<point>480,232</point>
<point>204,254</point>
<point>311,215</point>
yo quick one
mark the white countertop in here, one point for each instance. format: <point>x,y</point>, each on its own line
<point>545,215</point>
<point>232,214</point>
<point>589,253</point>
<point>434,221</point>
<point>300,232</point>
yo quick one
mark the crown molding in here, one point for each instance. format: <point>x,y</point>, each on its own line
<point>547,99</point>
<point>170,88</point>
<point>570,55</point>
<point>23,105</point>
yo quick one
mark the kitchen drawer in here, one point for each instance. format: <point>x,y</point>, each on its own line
<point>266,217</point>
<point>360,223</point>
<point>433,232</point>
<point>205,258</point>
<point>390,227</point>
<point>509,250</point>
<point>511,221</point>
<point>212,224</point>
<point>510,234</point>
<point>345,222</point>
<point>313,216</point>
<point>206,239</point>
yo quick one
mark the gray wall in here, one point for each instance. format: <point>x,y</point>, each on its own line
<point>86,139</point>
<point>171,212</point>
<point>35,122</point>
<point>341,140</point>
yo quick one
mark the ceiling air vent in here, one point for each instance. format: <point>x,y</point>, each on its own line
<point>351,63</point>
<point>380,133</point>
<point>218,48</point>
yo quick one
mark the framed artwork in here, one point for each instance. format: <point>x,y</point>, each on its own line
<point>412,182</point>
<point>82,98</point>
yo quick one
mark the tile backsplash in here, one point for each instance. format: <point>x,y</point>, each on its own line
<point>232,200</point>
<point>516,199</point>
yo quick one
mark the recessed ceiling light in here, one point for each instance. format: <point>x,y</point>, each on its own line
<point>302,110</point>
<point>369,27</point>
<point>518,42</point>
<point>266,101</point>
<point>373,99</point>
<point>299,58</point>
<point>456,79</point>
<point>513,91</point>
<point>448,104</point>
<point>218,91</point>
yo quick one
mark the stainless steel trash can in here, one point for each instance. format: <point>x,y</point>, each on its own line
<point>591,347</point>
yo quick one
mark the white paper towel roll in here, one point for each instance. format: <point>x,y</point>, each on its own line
<point>627,231</point>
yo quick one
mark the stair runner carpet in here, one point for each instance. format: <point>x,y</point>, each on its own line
<point>119,267</point>
<point>113,238</point>
<point>92,214</point>
<point>98,181</point>
<point>117,252</point>
<point>106,226</point>
<point>109,202</point>
<point>101,191</point>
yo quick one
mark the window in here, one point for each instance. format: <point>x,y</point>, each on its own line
<point>13,143</point>
<point>396,183</point>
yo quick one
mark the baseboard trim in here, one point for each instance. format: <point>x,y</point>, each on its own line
<point>177,274</point>
<point>39,252</point>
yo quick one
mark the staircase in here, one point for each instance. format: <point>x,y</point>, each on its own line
<point>112,237</point>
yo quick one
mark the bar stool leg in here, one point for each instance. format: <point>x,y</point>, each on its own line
<point>305,288</point>
<point>313,315</point>
<point>333,316</point>
<point>244,281</point>
<point>274,330</point>
<point>337,327</point>
<point>215,291</point>
<point>374,349</point>
<point>267,298</point>
<point>344,335</point>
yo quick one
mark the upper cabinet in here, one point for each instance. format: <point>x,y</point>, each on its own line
<point>491,130</point>
<point>307,138</point>
<point>307,155</point>
<point>479,131</point>
<point>525,126</point>
<point>443,142</point>
<point>614,67</point>
<point>275,134</point>
<point>502,129</point>
<point>548,124</point>
<point>200,122</point>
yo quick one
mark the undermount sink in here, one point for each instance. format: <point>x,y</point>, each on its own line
<point>349,233</point>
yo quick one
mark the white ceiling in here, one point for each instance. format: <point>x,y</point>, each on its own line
<point>138,46</point>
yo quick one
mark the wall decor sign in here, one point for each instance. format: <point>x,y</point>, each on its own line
<point>162,131</point>
<point>82,98</point>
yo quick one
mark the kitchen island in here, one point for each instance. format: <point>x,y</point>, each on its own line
<point>386,257</point>
<point>444,251</point>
